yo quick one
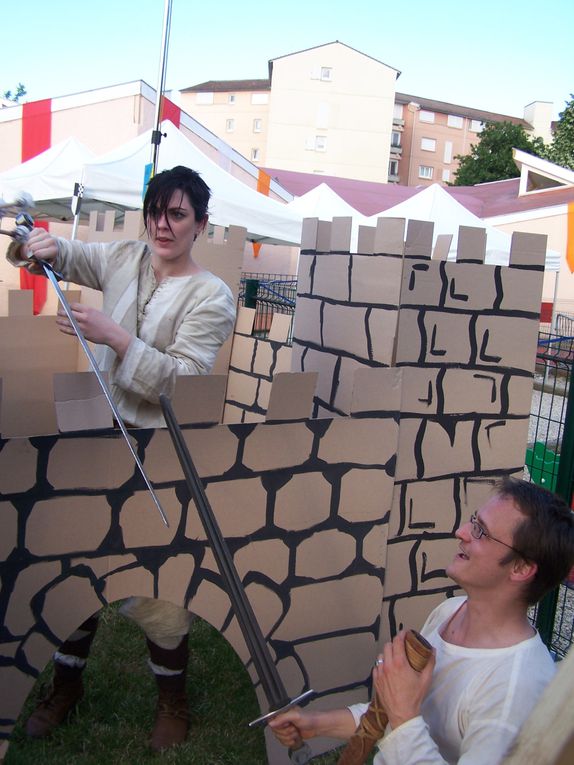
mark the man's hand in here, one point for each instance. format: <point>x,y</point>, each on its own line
<point>292,725</point>
<point>295,724</point>
<point>400,689</point>
<point>96,326</point>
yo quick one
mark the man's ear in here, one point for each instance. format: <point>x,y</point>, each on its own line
<point>523,570</point>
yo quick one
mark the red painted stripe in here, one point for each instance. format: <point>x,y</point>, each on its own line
<point>36,128</point>
<point>36,138</point>
<point>171,112</point>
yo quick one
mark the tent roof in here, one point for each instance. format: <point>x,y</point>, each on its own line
<point>437,205</point>
<point>49,178</point>
<point>118,177</point>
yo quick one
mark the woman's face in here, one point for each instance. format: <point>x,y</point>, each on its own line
<point>173,233</point>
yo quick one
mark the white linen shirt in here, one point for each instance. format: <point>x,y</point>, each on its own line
<point>477,702</point>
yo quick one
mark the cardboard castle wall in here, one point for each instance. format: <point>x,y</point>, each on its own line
<point>341,524</point>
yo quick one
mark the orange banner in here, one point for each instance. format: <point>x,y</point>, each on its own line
<point>263,183</point>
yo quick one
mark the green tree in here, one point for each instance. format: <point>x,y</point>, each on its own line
<point>561,150</point>
<point>491,158</point>
<point>20,92</point>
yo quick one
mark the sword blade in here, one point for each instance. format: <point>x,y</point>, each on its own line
<point>267,672</point>
<point>49,272</point>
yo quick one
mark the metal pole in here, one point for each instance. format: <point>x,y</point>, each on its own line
<point>156,133</point>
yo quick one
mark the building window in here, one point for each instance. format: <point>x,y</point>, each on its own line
<point>322,121</point>
<point>425,171</point>
<point>396,138</point>
<point>398,112</point>
<point>454,121</point>
<point>231,98</point>
<point>393,168</point>
<point>204,98</point>
<point>476,126</point>
<point>229,126</point>
<point>428,144</point>
<point>255,155</point>
<point>446,176</point>
<point>326,73</point>
<point>260,98</point>
<point>320,143</point>
<point>447,152</point>
<point>256,125</point>
<point>425,116</point>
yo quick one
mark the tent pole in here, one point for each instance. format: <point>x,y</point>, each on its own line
<point>156,133</point>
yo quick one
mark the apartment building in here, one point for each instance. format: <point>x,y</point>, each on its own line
<point>325,110</point>
<point>333,110</point>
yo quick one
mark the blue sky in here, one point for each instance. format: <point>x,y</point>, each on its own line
<point>494,55</point>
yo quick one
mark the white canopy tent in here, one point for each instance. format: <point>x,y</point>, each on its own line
<point>118,178</point>
<point>324,203</point>
<point>437,205</point>
<point>48,178</point>
<point>115,180</point>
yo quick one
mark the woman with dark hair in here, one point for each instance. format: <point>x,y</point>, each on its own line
<point>162,316</point>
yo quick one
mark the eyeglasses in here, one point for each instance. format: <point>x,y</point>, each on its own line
<point>477,532</point>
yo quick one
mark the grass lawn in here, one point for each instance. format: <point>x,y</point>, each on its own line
<point>112,723</point>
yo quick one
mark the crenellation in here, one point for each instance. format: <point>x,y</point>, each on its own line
<point>419,238</point>
<point>341,235</point>
<point>471,245</point>
<point>528,250</point>
<point>390,237</point>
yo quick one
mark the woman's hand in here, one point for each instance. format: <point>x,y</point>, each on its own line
<point>399,687</point>
<point>40,245</point>
<point>96,326</point>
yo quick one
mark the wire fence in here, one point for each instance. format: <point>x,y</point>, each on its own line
<point>551,427</point>
<point>268,294</point>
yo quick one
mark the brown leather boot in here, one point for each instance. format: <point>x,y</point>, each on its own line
<point>66,688</point>
<point>63,695</point>
<point>172,712</point>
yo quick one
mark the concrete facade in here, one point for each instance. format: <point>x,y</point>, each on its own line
<point>333,110</point>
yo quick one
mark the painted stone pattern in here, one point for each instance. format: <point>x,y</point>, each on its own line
<point>417,373</point>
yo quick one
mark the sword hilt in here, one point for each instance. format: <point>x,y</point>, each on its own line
<point>373,723</point>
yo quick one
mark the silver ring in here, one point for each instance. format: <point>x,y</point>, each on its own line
<point>378,662</point>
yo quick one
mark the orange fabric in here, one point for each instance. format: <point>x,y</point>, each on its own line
<point>570,238</point>
<point>263,183</point>
<point>256,248</point>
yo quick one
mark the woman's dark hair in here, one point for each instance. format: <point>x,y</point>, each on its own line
<point>545,536</point>
<point>162,186</point>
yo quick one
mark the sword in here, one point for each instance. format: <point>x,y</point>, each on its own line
<point>271,682</point>
<point>20,234</point>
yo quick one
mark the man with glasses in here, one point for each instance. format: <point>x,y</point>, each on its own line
<point>489,665</point>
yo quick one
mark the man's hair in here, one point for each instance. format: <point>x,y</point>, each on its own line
<point>162,186</point>
<point>545,536</point>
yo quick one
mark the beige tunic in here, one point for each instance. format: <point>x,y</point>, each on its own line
<point>177,326</point>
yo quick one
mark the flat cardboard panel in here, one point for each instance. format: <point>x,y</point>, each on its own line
<point>390,236</point>
<point>80,402</point>
<point>199,398</point>
<point>471,244</point>
<point>291,396</point>
<point>20,302</point>
<point>280,327</point>
<point>528,249</point>
<point>419,237</point>
<point>442,247</point>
